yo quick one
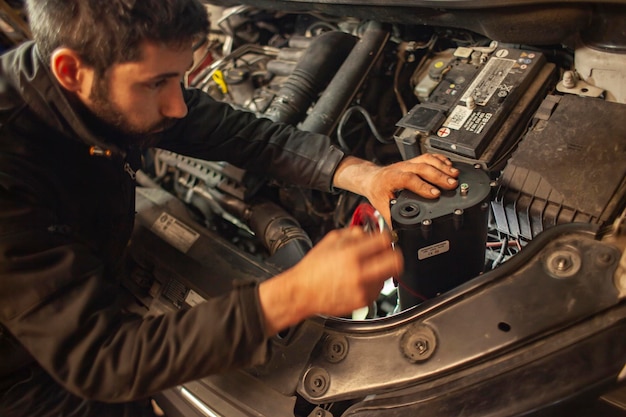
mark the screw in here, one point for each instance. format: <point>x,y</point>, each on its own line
<point>562,263</point>
<point>427,222</point>
<point>464,188</point>
<point>422,346</point>
<point>394,201</point>
<point>458,212</point>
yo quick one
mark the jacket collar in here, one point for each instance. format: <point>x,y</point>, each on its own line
<point>30,77</point>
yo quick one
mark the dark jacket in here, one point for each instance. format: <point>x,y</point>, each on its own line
<point>66,214</point>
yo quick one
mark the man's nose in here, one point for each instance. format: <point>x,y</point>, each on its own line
<point>173,104</point>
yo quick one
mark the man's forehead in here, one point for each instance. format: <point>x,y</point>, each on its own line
<point>159,59</point>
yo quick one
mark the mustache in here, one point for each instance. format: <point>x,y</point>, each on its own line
<point>166,123</point>
<point>151,136</point>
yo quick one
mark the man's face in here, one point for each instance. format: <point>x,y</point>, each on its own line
<point>143,97</point>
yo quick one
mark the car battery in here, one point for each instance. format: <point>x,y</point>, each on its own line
<point>443,240</point>
<point>476,110</point>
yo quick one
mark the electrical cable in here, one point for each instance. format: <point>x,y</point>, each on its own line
<point>369,121</point>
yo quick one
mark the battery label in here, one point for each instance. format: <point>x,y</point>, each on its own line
<point>175,232</point>
<point>478,121</point>
<point>457,117</point>
<point>487,82</point>
<point>433,250</point>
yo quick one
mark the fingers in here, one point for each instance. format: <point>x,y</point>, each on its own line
<point>427,174</point>
<point>383,265</point>
<point>366,243</point>
<point>441,162</point>
<point>372,251</point>
<point>377,258</point>
<point>442,158</point>
<point>437,159</point>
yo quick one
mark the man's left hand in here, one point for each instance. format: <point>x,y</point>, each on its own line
<point>424,175</point>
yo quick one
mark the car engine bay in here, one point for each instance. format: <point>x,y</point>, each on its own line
<point>507,279</point>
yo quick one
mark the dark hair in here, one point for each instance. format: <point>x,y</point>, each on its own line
<point>105,32</point>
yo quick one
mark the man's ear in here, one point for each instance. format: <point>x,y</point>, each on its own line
<point>71,72</point>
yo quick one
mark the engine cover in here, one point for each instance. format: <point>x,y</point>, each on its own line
<point>569,168</point>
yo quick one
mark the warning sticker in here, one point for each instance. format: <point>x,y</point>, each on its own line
<point>488,80</point>
<point>457,117</point>
<point>433,250</point>
<point>175,232</point>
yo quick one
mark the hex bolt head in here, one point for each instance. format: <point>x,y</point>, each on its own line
<point>563,263</point>
<point>418,343</point>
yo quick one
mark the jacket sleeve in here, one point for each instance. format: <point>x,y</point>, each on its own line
<point>55,300</point>
<point>215,131</point>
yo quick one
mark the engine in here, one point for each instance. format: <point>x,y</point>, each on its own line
<point>511,281</point>
<point>519,119</point>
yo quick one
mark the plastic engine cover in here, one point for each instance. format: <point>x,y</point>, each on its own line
<point>543,184</point>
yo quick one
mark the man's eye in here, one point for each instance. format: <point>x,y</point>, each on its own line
<point>156,84</point>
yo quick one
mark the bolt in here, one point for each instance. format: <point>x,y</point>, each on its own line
<point>563,263</point>
<point>394,201</point>
<point>458,212</point>
<point>464,188</point>
<point>318,382</point>
<point>427,222</point>
<point>477,166</point>
<point>422,346</point>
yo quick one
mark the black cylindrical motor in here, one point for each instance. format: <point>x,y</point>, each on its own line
<point>443,241</point>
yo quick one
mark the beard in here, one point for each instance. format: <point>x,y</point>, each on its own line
<point>119,125</point>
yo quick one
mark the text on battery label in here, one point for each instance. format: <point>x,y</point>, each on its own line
<point>175,232</point>
<point>433,250</point>
<point>477,122</point>
<point>457,117</point>
<point>488,81</point>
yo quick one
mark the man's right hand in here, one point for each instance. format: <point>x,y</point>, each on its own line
<point>346,270</point>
